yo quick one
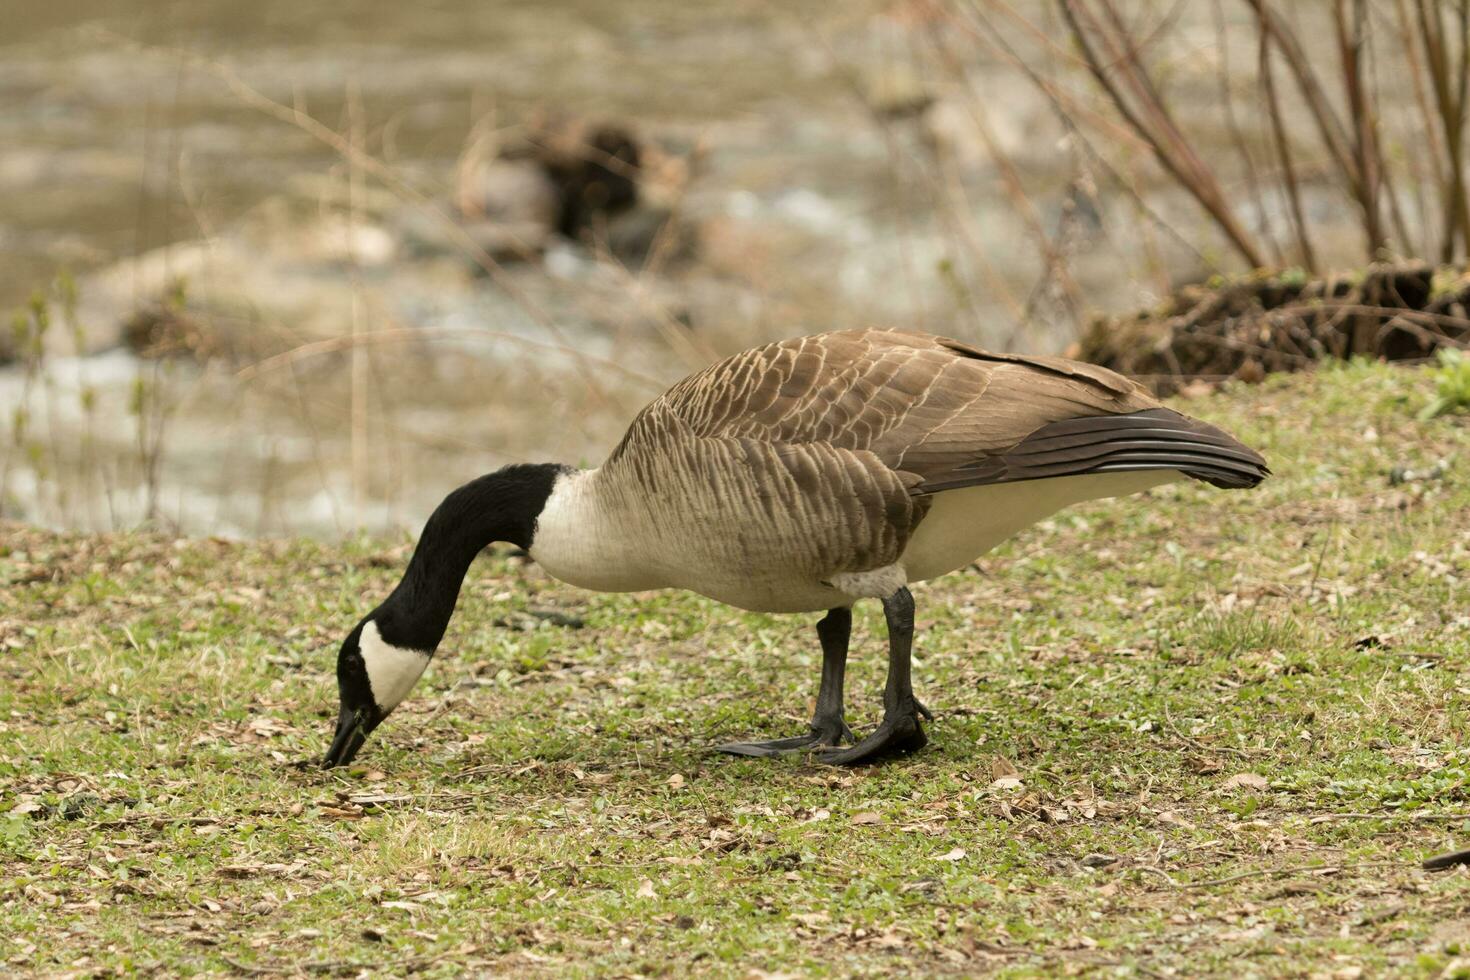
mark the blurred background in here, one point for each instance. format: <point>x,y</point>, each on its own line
<point>302,267</point>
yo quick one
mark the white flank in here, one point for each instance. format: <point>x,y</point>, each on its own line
<point>391,670</point>
<point>609,542</point>
<point>964,524</point>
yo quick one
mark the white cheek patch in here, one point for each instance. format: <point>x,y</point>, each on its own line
<point>391,670</point>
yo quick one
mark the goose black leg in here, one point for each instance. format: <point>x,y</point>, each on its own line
<point>828,728</point>
<point>899,731</point>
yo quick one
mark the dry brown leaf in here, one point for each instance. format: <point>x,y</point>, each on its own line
<point>1248,780</point>
<point>866,818</point>
<point>338,813</point>
<point>892,939</point>
<point>367,800</point>
<point>1001,767</point>
<point>957,854</point>
<point>676,781</point>
<point>645,890</point>
<point>239,870</point>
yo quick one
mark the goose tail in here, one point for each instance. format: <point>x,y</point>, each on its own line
<point>1156,439</point>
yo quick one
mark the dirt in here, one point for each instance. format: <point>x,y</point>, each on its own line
<point>1270,323</point>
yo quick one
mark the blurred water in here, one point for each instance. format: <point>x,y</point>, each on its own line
<point>816,202</point>
<point>98,138</point>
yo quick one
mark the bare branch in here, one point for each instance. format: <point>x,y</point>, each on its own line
<point>1169,146</point>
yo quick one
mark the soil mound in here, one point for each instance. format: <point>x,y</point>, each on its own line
<point>1250,327</point>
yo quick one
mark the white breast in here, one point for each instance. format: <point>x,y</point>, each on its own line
<point>590,542</point>
<point>589,536</point>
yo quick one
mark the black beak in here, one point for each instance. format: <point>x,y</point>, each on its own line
<point>352,731</point>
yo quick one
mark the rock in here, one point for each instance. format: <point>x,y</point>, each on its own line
<point>515,192</point>
<point>109,297</point>
<point>1250,371</point>
<point>427,233</point>
<point>162,329</point>
<point>593,166</point>
<point>633,235</point>
<point>897,91</point>
<point>954,127</point>
<point>508,208</point>
<point>338,240</point>
<point>950,132</point>
<point>275,279</point>
<point>168,328</point>
<point>593,182</point>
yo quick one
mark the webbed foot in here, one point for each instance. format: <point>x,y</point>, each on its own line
<point>897,734</point>
<point>822,736</point>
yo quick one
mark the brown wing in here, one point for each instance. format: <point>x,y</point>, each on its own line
<point>928,406</point>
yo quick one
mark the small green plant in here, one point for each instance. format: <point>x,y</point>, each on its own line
<point>1293,276</point>
<point>1452,385</point>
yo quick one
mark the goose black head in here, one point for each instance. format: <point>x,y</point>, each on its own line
<point>373,676</point>
<point>385,654</point>
<point>359,714</point>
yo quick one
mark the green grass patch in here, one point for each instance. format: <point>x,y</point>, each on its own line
<point>1189,734</point>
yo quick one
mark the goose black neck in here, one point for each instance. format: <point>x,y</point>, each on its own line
<point>500,506</point>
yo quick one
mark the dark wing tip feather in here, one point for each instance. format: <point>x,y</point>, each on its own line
<point>1156,439</point>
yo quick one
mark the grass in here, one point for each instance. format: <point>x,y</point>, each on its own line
<point>1199,733</point>
<point>1452,380</point>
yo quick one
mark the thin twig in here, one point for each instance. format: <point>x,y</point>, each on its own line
<point>1320,869</point>
<point>334,345</point>
<point>1329,126</point>
<point>1410,817</point>
<point>1051,251</point>
<point>1158,131</point>
<point>1283,151</point>
<point>1067,112</point>
<point>1450,102</point>
<point>1365,152</point>
<point>1237,134</point>
<point>1428,126</point>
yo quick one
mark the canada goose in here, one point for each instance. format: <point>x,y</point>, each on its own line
<point>799,477</point>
